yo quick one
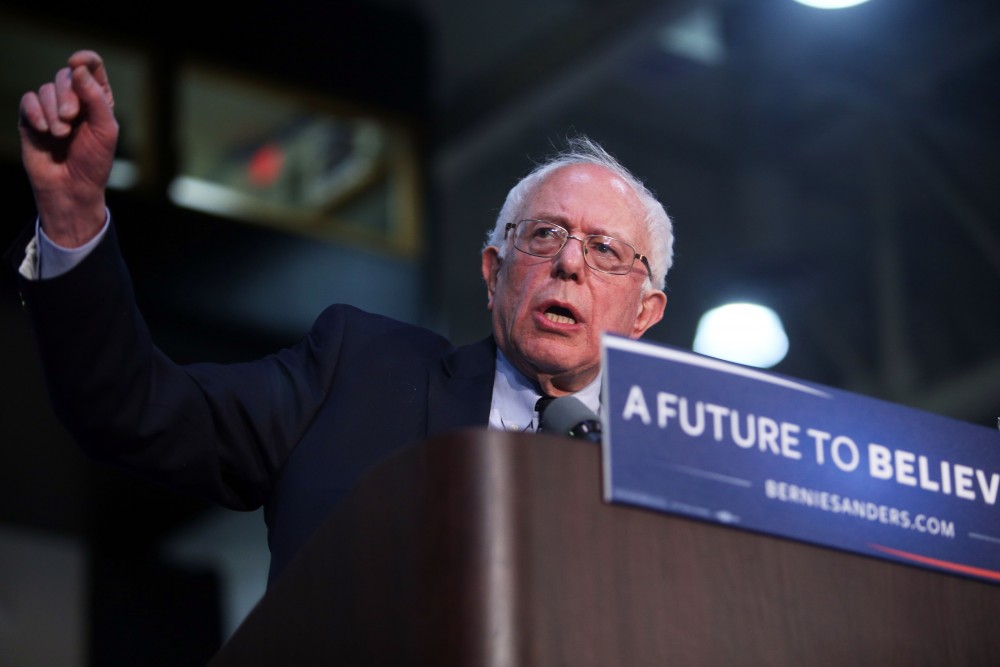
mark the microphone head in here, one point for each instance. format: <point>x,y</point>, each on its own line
<point>567,415</point>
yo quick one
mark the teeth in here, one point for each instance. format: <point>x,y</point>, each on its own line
<point>561,319</point>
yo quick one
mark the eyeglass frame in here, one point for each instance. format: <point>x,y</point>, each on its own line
<point>583,242</point>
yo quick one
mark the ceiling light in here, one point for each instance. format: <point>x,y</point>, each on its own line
<point>697,36</point>
<point>745,333</point>
<point>830,4</point>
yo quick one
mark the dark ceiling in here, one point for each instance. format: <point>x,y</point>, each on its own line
<point>839,166</point>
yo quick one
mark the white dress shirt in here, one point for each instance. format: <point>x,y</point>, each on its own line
<point>514,398</point>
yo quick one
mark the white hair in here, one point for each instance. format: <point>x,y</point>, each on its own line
<point>582,150</point>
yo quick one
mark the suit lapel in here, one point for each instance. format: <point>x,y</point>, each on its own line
<point>461,390</point>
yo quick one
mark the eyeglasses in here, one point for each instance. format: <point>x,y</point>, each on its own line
<point>601,253</point>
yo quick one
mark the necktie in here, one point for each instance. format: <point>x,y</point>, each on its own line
<point>540,406</point>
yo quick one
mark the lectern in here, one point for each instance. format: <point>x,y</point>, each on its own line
<point>487,548</point>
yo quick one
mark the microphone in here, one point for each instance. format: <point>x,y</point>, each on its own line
<point>568,415</point>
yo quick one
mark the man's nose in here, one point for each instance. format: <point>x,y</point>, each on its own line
<point>570,260</point>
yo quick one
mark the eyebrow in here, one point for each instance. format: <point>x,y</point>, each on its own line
<point>563,221</point>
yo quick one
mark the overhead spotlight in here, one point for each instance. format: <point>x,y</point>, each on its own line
<point>830,4</point>
<point>745,333</point>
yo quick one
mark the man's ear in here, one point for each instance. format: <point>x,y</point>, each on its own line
<point>491,269</point>
<point>651,307</point>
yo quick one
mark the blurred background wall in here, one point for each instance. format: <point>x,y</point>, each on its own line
<point>838,167</point>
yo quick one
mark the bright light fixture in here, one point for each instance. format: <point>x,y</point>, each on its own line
<point>830,4</point>
<point>745,333</point>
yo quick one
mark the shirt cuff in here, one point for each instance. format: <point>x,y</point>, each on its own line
<point>45,259</point>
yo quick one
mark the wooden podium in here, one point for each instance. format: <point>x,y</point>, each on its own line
<point>486,548</point>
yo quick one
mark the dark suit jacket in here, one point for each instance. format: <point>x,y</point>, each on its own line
<point>292,432</point>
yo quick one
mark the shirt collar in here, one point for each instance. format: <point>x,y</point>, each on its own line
<point>514,397</point>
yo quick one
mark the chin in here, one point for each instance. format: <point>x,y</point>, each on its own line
<point>556,362</point>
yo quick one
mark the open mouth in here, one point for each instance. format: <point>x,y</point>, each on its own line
<point>559,315</point>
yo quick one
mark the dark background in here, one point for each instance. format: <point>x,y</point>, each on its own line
<point>839,166</point>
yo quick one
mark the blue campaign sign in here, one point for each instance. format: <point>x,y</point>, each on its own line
<point>721,442</point>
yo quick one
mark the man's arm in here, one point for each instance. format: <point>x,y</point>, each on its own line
<point>117,394</point>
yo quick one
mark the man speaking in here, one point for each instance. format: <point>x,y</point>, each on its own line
<point>580,248</point>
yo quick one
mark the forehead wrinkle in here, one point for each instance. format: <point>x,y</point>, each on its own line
<point>560,207</point>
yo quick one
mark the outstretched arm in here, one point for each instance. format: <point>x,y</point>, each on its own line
<point>68,138</point>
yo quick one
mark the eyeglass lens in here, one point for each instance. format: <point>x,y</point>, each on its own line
<point>545,239</point>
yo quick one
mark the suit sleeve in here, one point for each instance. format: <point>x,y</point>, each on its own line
<point>220,432</point>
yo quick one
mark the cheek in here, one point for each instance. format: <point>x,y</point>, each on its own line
<point>513,288</point>
<point>622,314</point>
<point>505,301</point>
